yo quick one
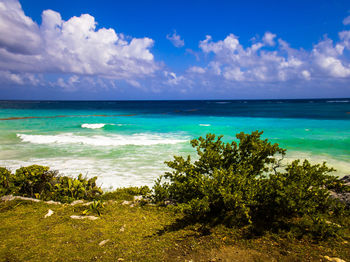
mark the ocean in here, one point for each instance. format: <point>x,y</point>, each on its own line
<point>125,143</point>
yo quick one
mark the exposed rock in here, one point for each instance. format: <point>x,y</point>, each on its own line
<point>11,197</point>
<point>49,213</point>
<point>125,202</point>
<point>84,217</point>
<point>88,203</point>
<point>103,242</point>
<point>77,202</point>
<point>51,202</point>
<point>122,229</point>
<point>7,198</point>
<point>334,259</point>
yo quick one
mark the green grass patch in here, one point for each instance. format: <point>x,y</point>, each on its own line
<point>147,233</point>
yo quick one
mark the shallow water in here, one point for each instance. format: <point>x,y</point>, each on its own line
<point>126,143</point>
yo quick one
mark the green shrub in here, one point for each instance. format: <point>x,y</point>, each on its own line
<point>42,183</point>
<point>34,181</point>
<point>301,189</point>
<point>6,183</point>
<point>244,184</point>
<point>68,189</point>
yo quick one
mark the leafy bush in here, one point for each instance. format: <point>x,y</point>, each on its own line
<point>68,189</point>
<point>6,183</point>
<point>40,182</point>
<point>244,184</point>
<point>34,181</point>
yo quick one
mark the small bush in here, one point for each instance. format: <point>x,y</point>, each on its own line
<point>68,189</point>
<point>6,183</point>
<point>95,207</point>
<point>244,184</point>
<point>34,181</point>
<point>42,183</point>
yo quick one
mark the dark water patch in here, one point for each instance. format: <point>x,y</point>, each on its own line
<point>40,117</point>
<point>301,108</point>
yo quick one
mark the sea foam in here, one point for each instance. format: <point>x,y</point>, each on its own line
<point>93,126</point>
<point>141,139</point>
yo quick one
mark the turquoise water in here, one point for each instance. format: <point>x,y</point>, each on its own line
<point>126,143</point>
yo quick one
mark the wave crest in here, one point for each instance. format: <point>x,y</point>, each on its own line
<point>111,140</point>
<point>93,126</point>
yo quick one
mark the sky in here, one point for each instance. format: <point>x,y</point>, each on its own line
<point>154,49</point>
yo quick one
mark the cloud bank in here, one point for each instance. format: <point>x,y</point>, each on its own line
<point>269,62</point>
<point>74,46</point>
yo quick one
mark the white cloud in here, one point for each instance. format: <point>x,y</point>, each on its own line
<point>256,63</point>
<point>172,79</point>
<point>306,74</point>
<point>134,83</point>
<point>328,58</point>
<point>346,20</point>
<point>19,78</point>
<point>176,40</point>
<point>196,69</point>
<point>74,46</point>
<point>18,33</point>
<point>252,63</point>
<point>268,39</point>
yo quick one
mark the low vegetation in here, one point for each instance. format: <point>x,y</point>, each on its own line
<point>42,183</point>
<point>243,183</point>
<point>236,193</point>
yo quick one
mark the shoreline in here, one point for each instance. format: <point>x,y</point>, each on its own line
<point>110,177</point>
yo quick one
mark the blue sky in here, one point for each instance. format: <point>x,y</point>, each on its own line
<point>174,49</point>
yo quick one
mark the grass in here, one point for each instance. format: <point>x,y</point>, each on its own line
<point>140,233</point>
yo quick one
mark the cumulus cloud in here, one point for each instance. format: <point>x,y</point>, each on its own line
<point>19,34</point>
<point>256,63</point>
<point>253,63</point>
<point>74,46</point>
<point>176,40</point>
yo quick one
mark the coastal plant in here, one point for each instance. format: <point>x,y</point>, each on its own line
<point>69,189</point>
<point>6,181</point>
<point>34,181</point>
<point>94,208</point>
<point>40,182</point>
<point>224,179</point>
<point>244,184</point>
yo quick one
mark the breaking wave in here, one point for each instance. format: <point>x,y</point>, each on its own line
<point>93,126</point>
<point>98,140</point>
